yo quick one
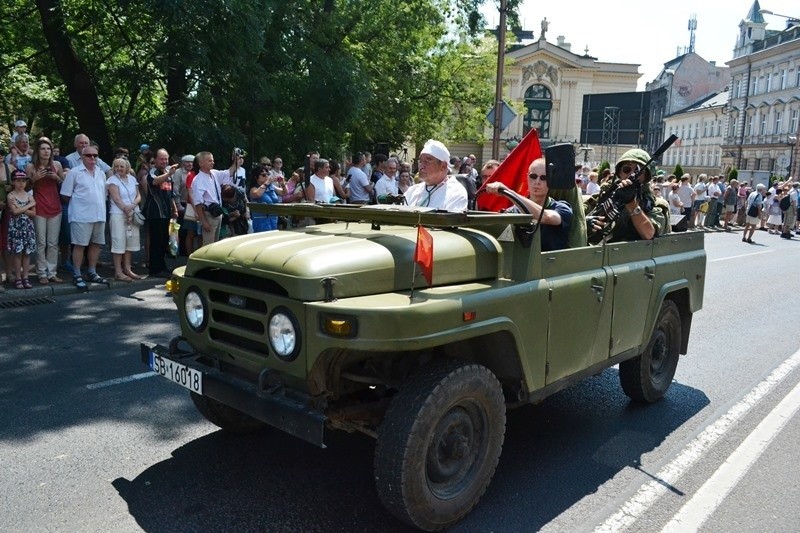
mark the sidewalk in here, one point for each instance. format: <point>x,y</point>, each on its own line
<point>104,267</point>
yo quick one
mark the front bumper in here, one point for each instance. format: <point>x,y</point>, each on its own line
<point>262,401</point>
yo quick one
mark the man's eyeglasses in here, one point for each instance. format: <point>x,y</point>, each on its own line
<point>534,175</point>
<point>90,155</point>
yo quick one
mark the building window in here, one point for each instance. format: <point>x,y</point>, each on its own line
<point>783,79</point>
<point>538,103</point>
<point>762,130</point>
<point>793,121</point>
<point>737,89</point>
<point>748,129</point>
<point>778,119</point>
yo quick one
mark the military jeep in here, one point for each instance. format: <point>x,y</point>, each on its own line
<point>333,326</point>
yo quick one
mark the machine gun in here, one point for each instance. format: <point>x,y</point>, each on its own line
<point>611,202</point>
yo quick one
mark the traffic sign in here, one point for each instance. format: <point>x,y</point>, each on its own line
<point>506,117</point>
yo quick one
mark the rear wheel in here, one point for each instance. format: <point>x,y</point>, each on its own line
<point>647,377</point>
<point>225,417</point>
<point>439,443</point>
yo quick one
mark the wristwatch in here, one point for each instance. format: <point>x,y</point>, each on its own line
<point>636,211</point>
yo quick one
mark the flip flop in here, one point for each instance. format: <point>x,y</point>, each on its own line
<point>124,278</point>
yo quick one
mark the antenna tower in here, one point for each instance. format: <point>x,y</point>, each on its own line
<point>692,29</point>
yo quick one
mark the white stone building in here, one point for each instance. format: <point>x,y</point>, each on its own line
<point>763,118</point>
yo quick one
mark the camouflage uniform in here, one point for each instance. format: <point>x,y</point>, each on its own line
<point>656,209</point>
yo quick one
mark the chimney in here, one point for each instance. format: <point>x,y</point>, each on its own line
<point>562,44</point>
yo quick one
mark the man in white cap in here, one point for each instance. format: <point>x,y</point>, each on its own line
<point>436,189</point>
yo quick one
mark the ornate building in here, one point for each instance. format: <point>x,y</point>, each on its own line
<point>547,83</point>
<point>763,126</point>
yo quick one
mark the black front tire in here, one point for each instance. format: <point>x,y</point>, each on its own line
<point>439,443</point>
<point>647,377</point>
<point>227,418</point>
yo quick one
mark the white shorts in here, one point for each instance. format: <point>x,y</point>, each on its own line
<point>753,221</point>
<point>121,242</point>
<point>83,233</point>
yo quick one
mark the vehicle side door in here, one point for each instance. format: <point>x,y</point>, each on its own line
<point>632,271</point>
<point>580,310</point>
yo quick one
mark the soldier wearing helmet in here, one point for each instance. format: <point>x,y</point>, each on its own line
<point>642,215</point>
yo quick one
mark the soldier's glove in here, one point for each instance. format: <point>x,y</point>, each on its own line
<point>626,194</point>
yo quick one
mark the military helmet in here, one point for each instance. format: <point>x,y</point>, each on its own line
<point>639,156</point>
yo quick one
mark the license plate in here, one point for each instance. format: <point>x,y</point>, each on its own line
<point>177,373</point>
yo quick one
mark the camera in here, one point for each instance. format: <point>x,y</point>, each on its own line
<point>239,152</point>
<point>392,199</point>
<point>214,209</point>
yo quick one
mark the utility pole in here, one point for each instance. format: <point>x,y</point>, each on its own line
<point>498,95</point>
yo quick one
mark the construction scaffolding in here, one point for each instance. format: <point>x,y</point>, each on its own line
<point>610,134</point>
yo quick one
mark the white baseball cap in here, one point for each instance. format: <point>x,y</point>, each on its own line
<point>437,150</point>
<point>20,124</point>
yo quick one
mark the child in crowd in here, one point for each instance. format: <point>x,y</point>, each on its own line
<point>21,232</point>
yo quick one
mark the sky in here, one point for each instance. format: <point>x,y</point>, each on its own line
<point>610,29</point>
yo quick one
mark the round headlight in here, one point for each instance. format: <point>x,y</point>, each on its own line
<point>195,309</point>
<point>283,334</point>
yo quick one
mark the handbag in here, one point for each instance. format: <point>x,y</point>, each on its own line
<point>752,211</point>
<point>137,218</point>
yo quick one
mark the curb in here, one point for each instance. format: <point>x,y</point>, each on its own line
<point>67,288</point>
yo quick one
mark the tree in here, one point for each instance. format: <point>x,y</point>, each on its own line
<point>678,171</point>
<point>281,76</point>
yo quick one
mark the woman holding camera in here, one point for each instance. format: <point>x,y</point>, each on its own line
<point>265,189</point>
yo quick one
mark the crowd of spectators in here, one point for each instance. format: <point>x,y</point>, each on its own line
<point>58,212</point>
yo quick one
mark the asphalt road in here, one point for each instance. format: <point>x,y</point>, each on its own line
<point>89,441</point>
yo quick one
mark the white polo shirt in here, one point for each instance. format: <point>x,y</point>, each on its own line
<point>87,192</point>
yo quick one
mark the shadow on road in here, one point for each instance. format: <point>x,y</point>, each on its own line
<point>555,454</point>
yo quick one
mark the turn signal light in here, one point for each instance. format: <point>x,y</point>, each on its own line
<point>339,326</point>
<point>173,286</point>
<point>469,316</point>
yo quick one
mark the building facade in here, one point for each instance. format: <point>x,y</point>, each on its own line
<point>763,117</point>
<point>545,83</point>
<point>700,130</point>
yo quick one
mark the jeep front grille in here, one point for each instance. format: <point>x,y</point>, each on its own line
<point>239,308</point>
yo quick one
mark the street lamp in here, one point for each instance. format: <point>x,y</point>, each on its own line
<point>585,150</point>
<point>791,20</point>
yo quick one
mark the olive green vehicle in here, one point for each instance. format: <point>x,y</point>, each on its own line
<point>318,328</point>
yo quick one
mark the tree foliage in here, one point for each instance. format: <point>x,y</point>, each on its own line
<point>272,76</point>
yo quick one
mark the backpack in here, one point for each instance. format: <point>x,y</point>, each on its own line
<point>786,203</point>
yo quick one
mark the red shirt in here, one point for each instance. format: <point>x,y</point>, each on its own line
<point>48,202</point>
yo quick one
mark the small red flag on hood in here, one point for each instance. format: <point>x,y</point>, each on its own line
<point>423,254</point>
<point>512,173</point>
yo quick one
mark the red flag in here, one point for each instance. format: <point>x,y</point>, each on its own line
<point>512,173</point>
<point>423,255</point>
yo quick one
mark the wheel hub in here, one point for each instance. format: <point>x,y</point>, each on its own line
<point>453,451</point>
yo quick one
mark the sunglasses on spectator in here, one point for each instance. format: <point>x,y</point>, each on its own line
<point>90,155</point>
<point>627,169</point>
<point>534,175</point>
